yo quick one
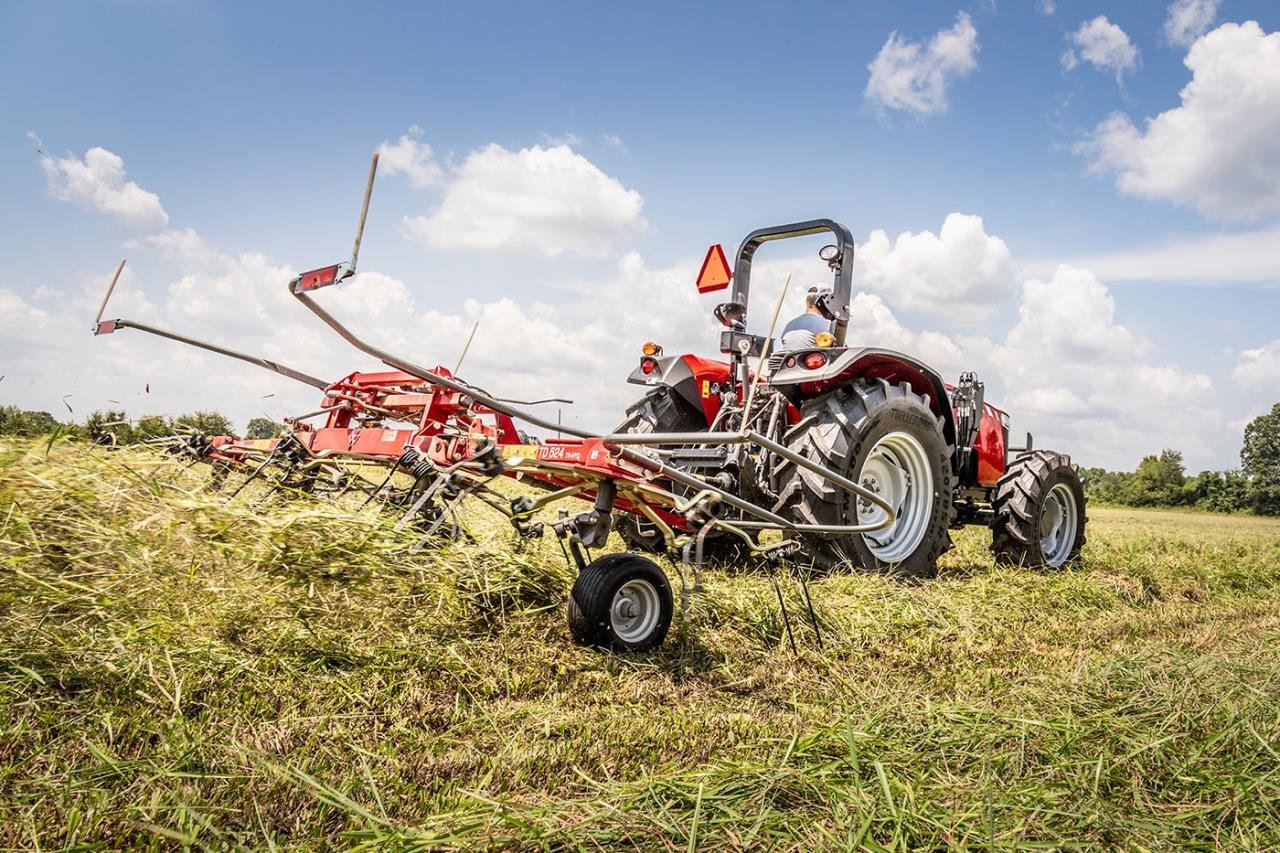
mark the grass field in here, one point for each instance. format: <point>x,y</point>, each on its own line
<point>177,671</point>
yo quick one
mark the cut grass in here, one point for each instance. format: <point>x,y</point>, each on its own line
<point>177,671</point>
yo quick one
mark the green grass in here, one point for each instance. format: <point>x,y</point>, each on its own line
<point>174,671</point>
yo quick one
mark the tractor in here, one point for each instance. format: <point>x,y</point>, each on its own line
<point>938,453</point>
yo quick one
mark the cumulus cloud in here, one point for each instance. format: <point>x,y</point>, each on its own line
<point>912,76</point>
<point>97,182</point>
<point>546,200</point>
<point>1245,257</point>
<point>410,156</point>
<point>1084,382</point>
<point>1258,369</point>
<point>1217,151</point>
<point>1187,20</point>
<point>961,272</point>
<point>1103,45</point>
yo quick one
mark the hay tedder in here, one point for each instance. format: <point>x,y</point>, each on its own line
<point>825,458</point>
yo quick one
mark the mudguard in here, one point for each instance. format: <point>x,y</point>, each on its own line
<point>799,383</point>
<point>697,381</point>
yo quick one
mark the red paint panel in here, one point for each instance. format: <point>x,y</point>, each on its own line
<point>990,446</point>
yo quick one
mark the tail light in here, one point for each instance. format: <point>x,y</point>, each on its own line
<point>650,348</point>
<point>814,360</point>
<point>824,339</point>
<point>322,277</point>
<point>648,366</point>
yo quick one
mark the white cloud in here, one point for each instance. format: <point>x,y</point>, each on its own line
<point>1103,45</point>
<point>19,319</point>
<point>613,140</point>
<point>1048,7</point>
<point>410,156</point>
<point>1187,20</point>
<point>1216,152</point>
<point>1089,385</point>
<point>1259,369</point>
<point>98,183</point>
<point>545,200</point>
<point>961,272</point>
<point>907,75</point>
<point>1248,257</point>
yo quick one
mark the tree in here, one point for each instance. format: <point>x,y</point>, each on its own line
<point>24,422</point>
<point>1260,458</point>
<point>1218,491</point>
<point>209,423</point>
<point>109,427</point>
<point>1158,480</point>
<point>262,428</point>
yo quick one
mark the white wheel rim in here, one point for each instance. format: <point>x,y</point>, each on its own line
<point>1059,522</point>
<point>634,612</point>
<point>898,471</point>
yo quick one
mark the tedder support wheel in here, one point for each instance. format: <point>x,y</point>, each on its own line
<point>661,410</point>
<point>620,602</point>
<point>887,439</point>
<point>1039,512</point>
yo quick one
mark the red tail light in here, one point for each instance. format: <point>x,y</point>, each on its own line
<point>648,366</point>
<point>318,278</point>
<point>814,360</point>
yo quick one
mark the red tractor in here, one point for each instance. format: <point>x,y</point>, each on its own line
<point>938,453</point>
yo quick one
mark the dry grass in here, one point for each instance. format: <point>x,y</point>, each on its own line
<point>175,671</point>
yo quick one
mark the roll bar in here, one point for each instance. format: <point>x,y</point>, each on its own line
<point>106,327</point>
<point>842,266</point>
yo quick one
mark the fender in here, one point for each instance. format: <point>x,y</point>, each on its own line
<point>695,380</point>
<point>798,383</point>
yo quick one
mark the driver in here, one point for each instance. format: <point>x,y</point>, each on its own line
<point>800,332</point>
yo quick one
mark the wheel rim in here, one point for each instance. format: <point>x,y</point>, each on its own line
<point>635,609</point>
<point>1059,522</point>
<point>897,470</point>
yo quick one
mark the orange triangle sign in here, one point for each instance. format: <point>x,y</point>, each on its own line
<point>715,274</point>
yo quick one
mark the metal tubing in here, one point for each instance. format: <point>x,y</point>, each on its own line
<point>364,210</point>
<point>266,364</point>
<point>110,287</point>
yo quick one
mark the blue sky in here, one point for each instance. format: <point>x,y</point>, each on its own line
<point>656,129</point>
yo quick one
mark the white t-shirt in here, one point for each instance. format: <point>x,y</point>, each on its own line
<point>800,332</point>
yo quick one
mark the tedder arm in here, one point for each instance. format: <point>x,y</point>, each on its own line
<point>106,327</point>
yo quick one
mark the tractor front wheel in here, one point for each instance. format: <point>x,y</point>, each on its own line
<point>621,602</point>
<point>1039,512</point>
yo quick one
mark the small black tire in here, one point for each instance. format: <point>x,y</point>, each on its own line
<point>1036,486</point>
<point>621,602</point>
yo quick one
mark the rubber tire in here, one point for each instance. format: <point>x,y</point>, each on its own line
<point>838,431</point>
<point>1019,499</point>
<point>662,411</point>
<point>592,599</point>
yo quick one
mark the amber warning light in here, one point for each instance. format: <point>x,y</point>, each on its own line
<point>715,274</point>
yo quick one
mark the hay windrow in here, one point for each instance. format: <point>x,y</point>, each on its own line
<point>175,669</point>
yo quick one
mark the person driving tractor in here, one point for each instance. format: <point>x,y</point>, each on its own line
<point>800,332</point>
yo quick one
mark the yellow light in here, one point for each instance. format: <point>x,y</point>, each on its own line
<point>651,349</point>
<point>824,339</point>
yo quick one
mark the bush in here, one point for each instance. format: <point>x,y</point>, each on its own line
<point>27,423</point>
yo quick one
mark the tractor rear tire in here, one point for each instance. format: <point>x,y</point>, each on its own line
<point>1039,508</point>
<point>884,437</point>
<point>621,602</point>
<point>661,410</point>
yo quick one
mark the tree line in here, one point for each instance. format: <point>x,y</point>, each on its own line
<point>1161,480</point>
<point>117,428</point>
